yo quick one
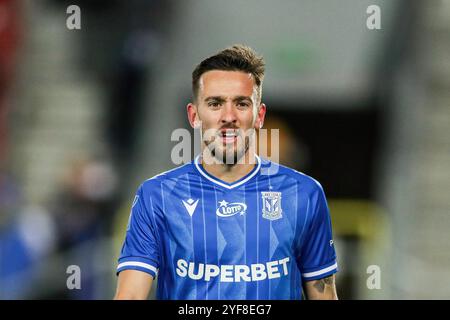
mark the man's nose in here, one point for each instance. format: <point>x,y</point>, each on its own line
<point>229,113</point>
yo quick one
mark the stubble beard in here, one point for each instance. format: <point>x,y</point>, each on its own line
<point>228,155</point>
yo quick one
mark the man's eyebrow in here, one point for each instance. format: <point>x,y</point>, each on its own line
<point>215,98</point>
<point>242,98</point>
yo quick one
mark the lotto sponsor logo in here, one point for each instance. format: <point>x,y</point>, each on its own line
<point>230,209</point>
<point>233,273</point>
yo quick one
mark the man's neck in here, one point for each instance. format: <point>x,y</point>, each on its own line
<point>229,173</point>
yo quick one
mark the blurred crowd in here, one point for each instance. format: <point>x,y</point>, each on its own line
<point>39,240</point>
<point>32,235</point>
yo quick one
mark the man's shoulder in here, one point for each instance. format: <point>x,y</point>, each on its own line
<point>272,168</point>
<point>170,175</point>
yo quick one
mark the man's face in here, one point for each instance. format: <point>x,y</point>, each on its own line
<point>228,110</point>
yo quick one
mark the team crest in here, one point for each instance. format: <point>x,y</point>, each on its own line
<point>271,205</point>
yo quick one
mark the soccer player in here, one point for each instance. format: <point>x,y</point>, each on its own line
<point>228,227</point>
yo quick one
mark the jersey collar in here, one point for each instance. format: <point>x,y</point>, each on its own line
<point>225,184</point>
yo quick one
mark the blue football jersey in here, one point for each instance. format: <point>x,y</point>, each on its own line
<point>256,238</point>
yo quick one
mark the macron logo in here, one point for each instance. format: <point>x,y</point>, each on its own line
<point>190,206</point>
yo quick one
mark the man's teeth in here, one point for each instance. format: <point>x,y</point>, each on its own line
<point>229,134</point>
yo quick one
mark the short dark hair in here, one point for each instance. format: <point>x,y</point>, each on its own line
<point>235,58</point>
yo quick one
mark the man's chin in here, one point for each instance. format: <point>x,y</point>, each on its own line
<point>227,155</point>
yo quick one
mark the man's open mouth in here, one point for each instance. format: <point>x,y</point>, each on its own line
<point>229,135</point>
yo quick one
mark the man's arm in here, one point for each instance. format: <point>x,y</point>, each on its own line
<point>133,285</point>
<point>322,289</point>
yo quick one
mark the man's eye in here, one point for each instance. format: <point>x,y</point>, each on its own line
<point>214,104</point>
<point>243,104</point>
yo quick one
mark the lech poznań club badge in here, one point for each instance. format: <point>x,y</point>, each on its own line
<point>271,205</point>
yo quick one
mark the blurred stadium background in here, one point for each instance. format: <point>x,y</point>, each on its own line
<point>86,115</point>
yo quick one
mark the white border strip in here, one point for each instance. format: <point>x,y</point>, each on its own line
<point>223,184</point>
<point>137,264</point>
<point>318,273</point>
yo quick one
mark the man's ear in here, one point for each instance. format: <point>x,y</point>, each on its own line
<point>193,115</point>
<point>260,116</point>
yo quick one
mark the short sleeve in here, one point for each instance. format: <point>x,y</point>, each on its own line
<point>140,249</point>
<point>317,258</point>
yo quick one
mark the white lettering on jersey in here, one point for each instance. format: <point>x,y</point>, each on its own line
<point>233,273</point>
